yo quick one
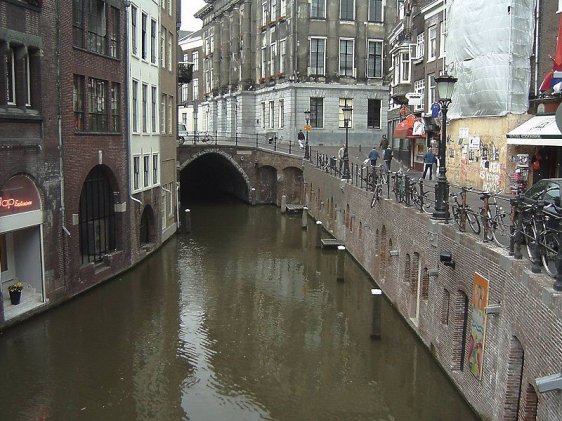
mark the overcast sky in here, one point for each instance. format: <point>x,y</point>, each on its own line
<point>188,9</point>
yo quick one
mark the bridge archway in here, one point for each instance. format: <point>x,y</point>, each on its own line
<point>211,173</point>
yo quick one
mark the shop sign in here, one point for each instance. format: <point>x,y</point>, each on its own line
<point>18,195</point>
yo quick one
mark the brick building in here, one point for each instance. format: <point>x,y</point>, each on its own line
<point>30,174</point>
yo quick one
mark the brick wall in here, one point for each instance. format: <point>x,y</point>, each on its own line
<point>530,310</point>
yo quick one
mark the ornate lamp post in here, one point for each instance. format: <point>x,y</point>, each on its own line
<point>346,119</point>
<point>445,84</point>
<point>307,119</point>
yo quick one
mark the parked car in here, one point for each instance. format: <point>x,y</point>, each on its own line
<point>182,133</point>
<point>547,189</point>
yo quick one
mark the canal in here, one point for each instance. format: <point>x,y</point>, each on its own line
<point>243,319</point>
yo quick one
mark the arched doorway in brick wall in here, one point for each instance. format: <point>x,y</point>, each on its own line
<point>147,231</point>
<point>267,185</point>
<point>515,363</point>
<point>460,321</point>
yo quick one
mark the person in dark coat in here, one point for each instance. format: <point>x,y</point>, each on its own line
<point>428,161</point>
<point>387,156</point>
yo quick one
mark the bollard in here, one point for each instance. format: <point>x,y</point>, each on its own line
<point>253,196</point>
<point>340,264</point>
<point>304,221</point>
<point>318,234</point>
<point>536,248</point>
<point>186,221</point>
<point>407,198</point>
<point>376,321</point>
<point>283,203</point>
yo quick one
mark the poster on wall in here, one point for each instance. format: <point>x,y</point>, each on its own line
<point>478,326</point>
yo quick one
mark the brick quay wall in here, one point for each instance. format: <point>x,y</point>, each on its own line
<point>523,341</point>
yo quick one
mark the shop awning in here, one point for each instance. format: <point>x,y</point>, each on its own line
<point>410,127</point>
<point>538,131</point>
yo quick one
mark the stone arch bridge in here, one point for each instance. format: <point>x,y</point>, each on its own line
<point>254,175</point>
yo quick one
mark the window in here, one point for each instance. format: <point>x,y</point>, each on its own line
<point>170,54</point>
<point>195,61</point>
<point>135,106</point>
<point>281,113</point>
<point>185,92</point>
<point>153,38</point>
<point>136,172</point>
<point>97,27</point>
<point>78,23</point>
<point>264,11</point>
<point>146,170</point>
<point>163,101</point>
<point>317,56</point>
<point>78,102</point>
<point>420,46</point>
<point>271,114</point>
<point>347,9</point>
<point>432,46</point>
<point>283,53</point>
<point>283,7</point>
<point>272,55</point>
<point>273,13</point>
<point>374,113</point>
<point>97,94</point>
<point>375,11</point>
<point>431,93</point>
<point>317,112</point>
<point>263,62</point>
<point>144,107</point>
<point>419,88</point>
<point>144,40</point>
<point>11,77</point>
<point>346,57</point>
<point>208,74</point>
<point>154,111</point>
<point>374,60</point>
<point>115,122</point>
<point>345,102</point>
<point>155,169</point>
<point>162,47</point>
<point>443,35</point>
<point>405,67</point>
<point>133,29</point>
<point>263,115</point>
<point>115,34</point>
<point>318,9</point>
<point>195,83</point>
<point>170,115</point>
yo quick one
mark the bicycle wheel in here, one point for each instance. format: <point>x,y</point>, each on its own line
<point>501,230</point>
<point>456,215</point>
<point>472,220</point>
<point>376,195</point>
<point>529,235</point>
<point>550,253</point>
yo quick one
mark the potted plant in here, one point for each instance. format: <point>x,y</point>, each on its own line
<point>15,292</point>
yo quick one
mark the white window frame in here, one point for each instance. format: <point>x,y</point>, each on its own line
<point>195,60</point>
<point>352,55</point>
<point>144,107</point>
<point>420,46</point>
<point>442,37</point>
<point>405,73</point>
<point>342,103</point>
<point>154,108</point>
<point>431,90</point>
<point>273,9</point>
<point>265,11</point>
<point>195,93</point>
<point>352,17</point>
<point>136,172</point>
<point>263,115</point>
<point>146,171</point>
<point>282,55</point>
<point>369,42</point>
<point>432,43</point>
<point>283,8</point>
<point>419,88</point>
<point>271,115</point>
<point>310,67</point>
<point>263,62</point>
<point>324,9</point>
<point>155,169</point>
<point>281,113</point>
<point>272,56</point>
<point>134,30</point>
<point>382,12</point>
<point>135,106</point>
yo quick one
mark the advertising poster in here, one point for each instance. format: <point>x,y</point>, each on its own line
<point>478,326</point>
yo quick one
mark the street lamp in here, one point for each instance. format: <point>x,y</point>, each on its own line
<point>307,118</point>
<point>445,84</point>
<point>346,119</point>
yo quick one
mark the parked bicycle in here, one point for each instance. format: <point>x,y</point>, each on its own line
<point>380,178</point>
<point>497,220</point>
<point>399,186</point>
<point>541,238</point>
<point>418,196</point>
<point>462,212</point>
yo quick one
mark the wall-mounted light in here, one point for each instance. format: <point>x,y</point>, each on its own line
<point>446,257</point>
<point>549,383</point>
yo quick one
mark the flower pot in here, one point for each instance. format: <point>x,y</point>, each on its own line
<point>15,297</point>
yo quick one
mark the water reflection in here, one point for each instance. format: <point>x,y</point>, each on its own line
<point>241,320</point>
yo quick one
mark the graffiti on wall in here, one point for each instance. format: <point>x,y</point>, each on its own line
<point>490,174</point>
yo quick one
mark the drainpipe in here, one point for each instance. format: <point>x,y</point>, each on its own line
<point>61,152</point>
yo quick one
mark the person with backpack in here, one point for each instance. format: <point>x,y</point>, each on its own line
<point>387,157</point>
<point>428,161</point>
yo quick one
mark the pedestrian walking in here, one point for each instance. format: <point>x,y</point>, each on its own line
<point>384,143</point>
<point>373,156</point>
<point>300,138</point>
<point>387,156</point>
<point>428,161</point>
<point>341,155</point>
